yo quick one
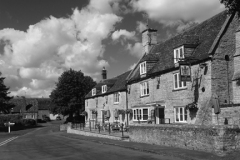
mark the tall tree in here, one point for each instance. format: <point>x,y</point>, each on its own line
<point>5,105</point>
<point>71,88</point>
<point>232,6</point>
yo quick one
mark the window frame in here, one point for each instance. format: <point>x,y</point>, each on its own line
<point>140,112</point>
<point>177,54</point>
<point>144,88</point>
<point>93,91</point>
<point>116,98</point>
<point>104,88</point>
<point>143,68</point>
<point>177,84</point>
<point>180,114</point>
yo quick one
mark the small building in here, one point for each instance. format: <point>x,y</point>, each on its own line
<point>31,108</point>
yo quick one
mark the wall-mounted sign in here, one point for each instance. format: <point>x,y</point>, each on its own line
<point>185,71</point>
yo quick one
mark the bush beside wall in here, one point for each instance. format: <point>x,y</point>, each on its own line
<point>217,139</point>
<point>13,118</point>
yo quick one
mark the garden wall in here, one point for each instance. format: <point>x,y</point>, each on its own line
<point>220,140</point>
<point>228,115</point>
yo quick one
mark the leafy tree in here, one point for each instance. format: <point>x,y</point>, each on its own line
<point>5,105</point>
<point>232,6</point>
<point>68,96</point>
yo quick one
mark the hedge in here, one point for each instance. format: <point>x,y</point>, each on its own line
<point>17,119</point>
<point>13,118</point>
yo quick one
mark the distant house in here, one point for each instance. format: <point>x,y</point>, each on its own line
<point>33,108</point>
<point>27,107</point>
<point>107,102</point>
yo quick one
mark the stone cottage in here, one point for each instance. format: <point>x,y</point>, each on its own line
<point>31,108</point>
<point>107,101</point>
<point>210,53</point>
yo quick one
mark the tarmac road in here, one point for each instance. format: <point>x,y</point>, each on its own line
<point>47,143</point>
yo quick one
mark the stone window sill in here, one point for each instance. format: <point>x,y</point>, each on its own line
<point>179,89</point>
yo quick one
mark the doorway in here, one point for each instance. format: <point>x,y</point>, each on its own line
<point>160,115</point>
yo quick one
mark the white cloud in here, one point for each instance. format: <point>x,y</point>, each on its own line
<point>124,34</point>
<point>169,11</point>
<point>38,56</point>
<point>135,49</point>
<point>132,66</point>
<point>141,26</point>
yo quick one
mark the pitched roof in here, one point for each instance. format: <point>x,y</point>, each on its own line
<point>44,103</point>
<point>202,36</point>
<point>23,103</point>
<point>115,84</point>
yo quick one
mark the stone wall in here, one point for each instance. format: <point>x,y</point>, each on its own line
<point>107,103</point>
<point>228,115</point>
<point>198,90</point>
<point>220,140</point>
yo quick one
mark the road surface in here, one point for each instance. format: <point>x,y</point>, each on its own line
<point>47,143</point>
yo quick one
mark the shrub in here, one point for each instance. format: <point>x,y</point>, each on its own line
<point>13,118</point>
<point>28,122</point>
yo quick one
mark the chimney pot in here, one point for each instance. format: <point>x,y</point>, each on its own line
<point>104,73</point>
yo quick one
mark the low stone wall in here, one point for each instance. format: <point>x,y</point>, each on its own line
<point>228,115</point>
<point>63,127</point>
<point>220,140</point>
<point>92,134</point>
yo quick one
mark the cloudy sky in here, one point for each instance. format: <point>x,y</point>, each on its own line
<point>39,39</point>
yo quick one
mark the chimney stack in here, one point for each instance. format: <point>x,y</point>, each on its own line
<point>149,39</point>
<point>104,73</point>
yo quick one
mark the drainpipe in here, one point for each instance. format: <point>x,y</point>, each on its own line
<point>127,104</point>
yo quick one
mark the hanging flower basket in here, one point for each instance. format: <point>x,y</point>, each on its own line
<point>94,111</point>
<point>121,111</point>
<point>192,106</point>
<point>129,111</point>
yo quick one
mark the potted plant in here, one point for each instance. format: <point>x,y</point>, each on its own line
<point>129,111</point>
<point>192,106</point>
<point>94,111</point>
<point>121,111</point>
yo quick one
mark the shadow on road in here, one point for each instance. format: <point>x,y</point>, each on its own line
<point>18,128</point>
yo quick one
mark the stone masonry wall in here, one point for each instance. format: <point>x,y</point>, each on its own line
<point>228,115</point>
<point>198,90</point>
<point>106,103</point>
<point>222,71</point>
<point>220,140</point>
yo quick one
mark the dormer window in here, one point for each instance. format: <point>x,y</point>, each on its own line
<point>143,68</point>
<point>104,88</point>
<point>178,54</point>
<point>93,91</point>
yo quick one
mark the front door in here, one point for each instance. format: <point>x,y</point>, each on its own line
<point>160,116</point>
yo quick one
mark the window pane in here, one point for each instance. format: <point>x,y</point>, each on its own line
<point>181,114</point>
<point>177,113</point>
<point>176,82</point>
<point>179,81</point>
<point>145,117</point>
<point>140,114</point>
<point>134,114</point>
<point>177,55</point>
<point>147,88</point>
<point>185,111</point>
<point>145,111</point>
<point>181,53</point>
